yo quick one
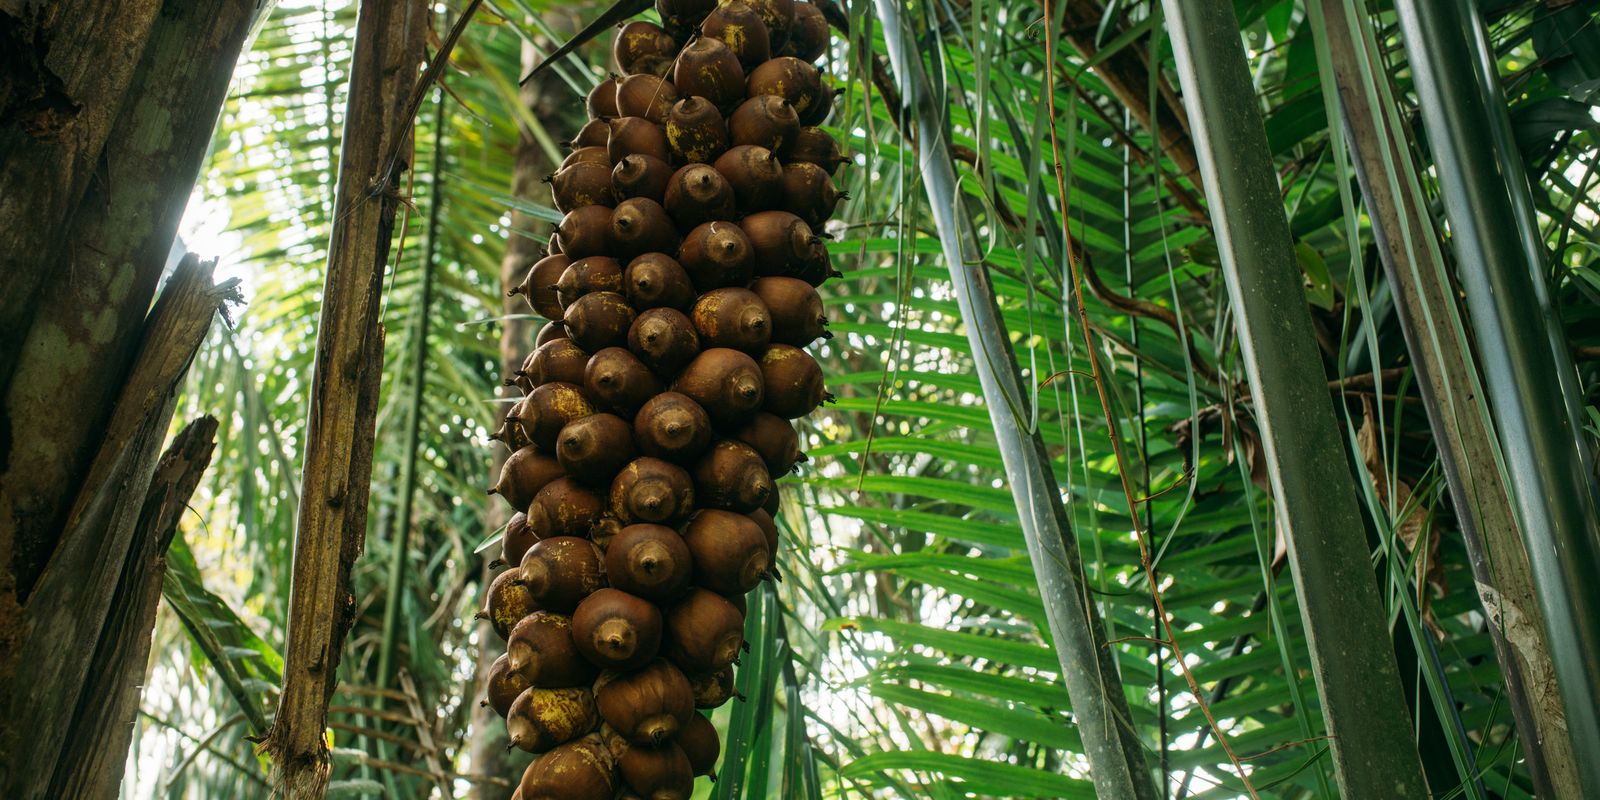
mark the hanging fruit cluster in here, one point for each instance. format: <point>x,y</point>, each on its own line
<point>657,406</point>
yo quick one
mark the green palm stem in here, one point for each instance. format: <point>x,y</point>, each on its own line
<point>1549,470</point>
<point>1314,494</point>
<point>1100,709</point>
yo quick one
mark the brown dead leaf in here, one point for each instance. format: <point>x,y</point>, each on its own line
<point>1413,524</point>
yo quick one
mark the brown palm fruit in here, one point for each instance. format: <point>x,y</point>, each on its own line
<point>594,133</point>
<point>598,320</point>
<point>816,146</point>
<point>731,475</point>
<point>740,28</point>
<point>540,719</point>
<point>592,274</point>
<point>779,18</point>
<point>795,309</point>
<point>586,231</point>
<point>604,530</point>
<point>540,649</point>
<point>657,280</point>
<point>616,630</point>
<point>561,570</point>
<point>506,603</point>
<point>651,490</point>
<point>700,744</point>
<point>642,46</point>
<point>510,433</point>
<point>713,689</point>
<point>732,317</point>
<point>728,550</point>
<point>539,286</point>
<point>641,175</point>
<point>774,439</point>
<point>772,504</point>
<point>640,225</point>
<point>503,686</point>
<point>523,474</point>
<point>619,381</point>
<point>755,175</point>
<point>725,382</point>
<point>517,538</point>
<point>596,154</point>
<point>808,38</point>
<point>636,136</point>
<point>552,245</point>
<point>594,448</point>
<point>650,561</point>
<point>790,78</point>
<point>646,96</point>
<point>560,360</point>
<point>548,409</point>
<point>664,339</point>
<point>818,112</point>
<point>769,529</point>
<point>780,239</point>
<point>696,194</point>
<point>551,331</point>
<point>708,68</point>
<point>696,131</point>
<point>646,706</point>
<point>739,604</point>
<point>672,427</point>
<point>520,378</point>
<point>703,632</point>
<point>681,17</point>
<point>717,254</point>
<point>583,769</point>
<point>602,100</point>
<point>764,121</point>
<point>657,773</point>
<point>564,507</point>
<point>816,267</point>
<point>582,184</point>
<point>808,192</point>
<point>792,381</point>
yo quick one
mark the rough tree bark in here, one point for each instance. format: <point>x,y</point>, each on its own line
<point>337,472</point>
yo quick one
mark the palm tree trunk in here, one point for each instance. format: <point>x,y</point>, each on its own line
<point>1340,605</point>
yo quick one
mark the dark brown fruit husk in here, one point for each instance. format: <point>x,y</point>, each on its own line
<point>725,382</point>
<point>764,121</point>
<point>769,529</point>
<point>642,46</point>
<point>816,146</point>
<point>707,68</point>
<point>503,685</point>
<point>739,604</point>
<point>557,360</point>
<point>657,773</point>
<point>640,225</point>
<point>681,17</point>
<point>700,744</point>
<point>650,561</point>
<point>541,719</point>
<point>672,427</point>
<point>595,154</point>
<point>538,287</point>
<point>551,331</point>
<point>523,474</point>
<point>732,317</point>
<point>548,409</point>
<point>740,28</point>
<point>697,194</point>
<point>646,706</point>
<point>592,274</point>
<point>553,244</point>
<point>604,530</point>
<point>616,630</point>
<point>816,267</point>
<point>780,239</point>
<point>564,508</point>
<point>792,381</point>
<point>713,689</point>
<point>641,175</point>
<point>717,254</point>
<point>664,339</point>
<point>560,571</point>
<point>703,632</point>
<point>790,78</point>
<point>602,100</point>
<point>795,308</point>
<point>578,770</point>
<point>594,448</point>
<point>817,113</point>
<point>774,439</point>
<point>755,175</point>
<point>731,475</point>
<point>645,96</point>
<point>586,231</point>
<point>808,38</point>
<point>808,192</point>
<point>636,136</point>
<point>517,538</point>
<point>657,280</point>
<point>651,490</point>
<point>728,550</point>
<point>594,133</point>
<point>599,320</point>
<point>619,381</point>
<point>696,131</point>
<point>772,504</point>
<point>779,18</point>
<point>510,433</point>
<point>520,378</point>
<point>506,603</point>
<point>541,651</point>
